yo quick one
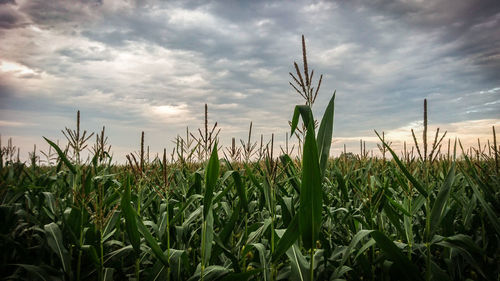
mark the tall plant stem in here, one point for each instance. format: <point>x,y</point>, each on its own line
<point>138,261</point>
<point>167,193</point>
<point>80,240</point>
<point>410,244</point>
<point>79,261</point>
<point>312,262</point>
<point>427,242</point>
<point>203,231</point>
<point>137,268</point>
<point>101,257</point>
<point>168,239</point>
<point>495,149</point>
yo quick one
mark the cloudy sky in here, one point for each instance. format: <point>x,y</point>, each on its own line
<point>151,66</point>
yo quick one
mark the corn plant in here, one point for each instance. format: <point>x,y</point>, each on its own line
<point>420,214</point>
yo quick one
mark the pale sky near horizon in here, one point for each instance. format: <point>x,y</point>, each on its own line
<point>151,66</point>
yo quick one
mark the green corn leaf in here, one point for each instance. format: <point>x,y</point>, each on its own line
<point>227,253</point>
<point>311,194</point>
<point>179,261</point>
<point>229,226</point>
<point>266,188</point>
<point>62,156</point>
<point>365,246</point>
<point>307,116</point>
<point>355,240</point>
<point>195,188</point>
<point>150,224</point>
<point>465,242</point>
<point>407,223</point>
<point>285,209</point>
<point>72,219</point>
<point>240,188</point>
<point>51,202</point>
<point>108,274</point>
<point>288,239</point>
<point>394,218</point>
<point>208,234</point>
<point>130,218</point>
<point>55,241</point>
<point>163,224</point>
<point>38,271</point>
<point>488,191</point>
<point>442,198</point>
<point>221,195</point>
<point>438,273</point>
<point>153,244</point>
<point>397,205</point>
<point>211,176</point>
<point>417,204</point>
<point>109,229</point>
<point>257,234</point>
<point>90,251</point>
<point>262,257</point>
<point>253,179</point>
<point>213,272</point>
<point>124,251</point>
<point>342,185</point>
<point>464,245</point>
<point>188,203</point>
<point>290,171</point>
<point>325,133</point>
<point>401,166</point>
<point>401,262</point>
<point>299,265</point>
<point>240,276</point>
<point>495,222</point>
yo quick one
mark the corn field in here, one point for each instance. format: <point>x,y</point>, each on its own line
<point>204,214</point>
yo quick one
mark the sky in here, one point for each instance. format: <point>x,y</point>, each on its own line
<point>151,66</point>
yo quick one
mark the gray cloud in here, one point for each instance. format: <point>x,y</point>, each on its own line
<point>7,2</point>
<point>471,27</point>
<point>150,65</point>
<point>9,17</point>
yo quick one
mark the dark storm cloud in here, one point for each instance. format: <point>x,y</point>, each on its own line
<point>9,18</point>
<point>472,27</point>
<point>7,2</point>
<point>58,13</point>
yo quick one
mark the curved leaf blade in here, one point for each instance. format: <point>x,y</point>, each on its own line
<point>62,156</point>
<point>153,244</point>
<point>311,196</point>
<point>325,133</point>
<point>402,263</point>
<point>130,218</point>
<point>211,176</point>
<point>288,239</point>
<point>442,198</point>
<point>408,175</point>
<point>306,113</point>
<point>55,241</point>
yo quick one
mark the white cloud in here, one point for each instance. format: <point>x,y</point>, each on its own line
<point>16,69</point>
<point>6,123</point>
<point>192,18</point>
<point>165,112</point>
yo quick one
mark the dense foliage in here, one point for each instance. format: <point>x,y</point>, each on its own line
<point>261,217</point>
<point>346,218</point>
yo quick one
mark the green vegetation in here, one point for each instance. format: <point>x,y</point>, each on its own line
<point>313,217</point>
